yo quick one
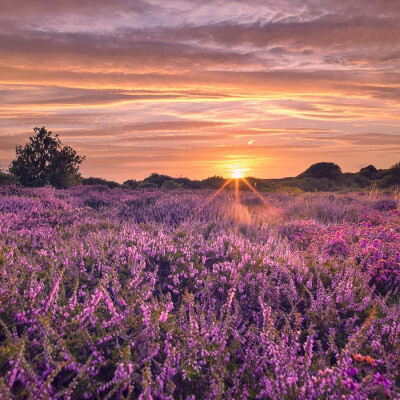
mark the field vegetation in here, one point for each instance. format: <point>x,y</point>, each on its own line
<point>125,294</point>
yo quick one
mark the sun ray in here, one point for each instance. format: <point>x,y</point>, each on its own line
<point>237,198</point>
<point>237,176</point>
<point>237,173</point>
<point>255,191</point>
<point>207,202</point>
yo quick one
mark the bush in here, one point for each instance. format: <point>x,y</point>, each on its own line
<point>171,184</point>
<point>322,170</point>
<point>157,180</point>
<point>369,172</point>
<point>214,182</point>
<point>393,176</point>
<point>7,179</point>
<point>64,181</point>
<point>131,184</point>
<point>100,181</point>
<point>147,185</point>
<point>188,183</point>
<point>357,181</point>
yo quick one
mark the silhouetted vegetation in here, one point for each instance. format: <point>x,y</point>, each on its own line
<point>159,181</point>
<point>46,161</point>
<point>309,181</point>
<point>214,182</point>
<point>131,184</point>
<point>8,179</point>
<point>369,172</point>
<point>100,181</point>
<point>322,170</point>
<point>393,176</point>
<point>321,177</point>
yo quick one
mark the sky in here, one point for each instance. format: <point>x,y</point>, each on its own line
<point>198,88</point>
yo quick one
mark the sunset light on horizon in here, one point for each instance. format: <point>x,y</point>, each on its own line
<point>237,173</point>
<point>203,88</point>
<point>200,199</point>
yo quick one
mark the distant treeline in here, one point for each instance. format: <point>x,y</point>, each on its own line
<point>322,176</point>
<point>319,177</point>
<point>44,161</point>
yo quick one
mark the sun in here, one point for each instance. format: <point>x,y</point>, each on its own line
<point>237,173</point>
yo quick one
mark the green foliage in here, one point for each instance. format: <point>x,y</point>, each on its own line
<point>188,183</point>
<point>147,185</point>
<point>100,181</point>
<point>45,160</point>
<point>369,172</point>
<point>393,177</point>
<point>131,184</point>
<point>171,184</point>
<point>323,170</point>
<point>157,180</point>
<point>7,179</point>
<point>358,180</point>
<point>214,182</point>
<point>320,177</point>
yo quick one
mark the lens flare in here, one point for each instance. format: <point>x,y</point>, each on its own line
<point>241,213</point>
<point>237,173</point>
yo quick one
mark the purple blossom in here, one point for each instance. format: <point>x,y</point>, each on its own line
<point>145,294</point>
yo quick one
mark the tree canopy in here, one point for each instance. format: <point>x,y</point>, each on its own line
<point>327,170</point>
<point>393,177</point>
<point>45,160</point>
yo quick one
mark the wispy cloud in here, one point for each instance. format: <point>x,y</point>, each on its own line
<point>179,85</point>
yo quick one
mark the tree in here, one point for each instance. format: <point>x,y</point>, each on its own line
<point>45,160</point>
<point>393,177</point>
<point>7,179</point>
<point>92,181</point>
<point>156,180</point>
<point>171,184</point>
<point>213,182</point>
<point>131,184</point>
<point>322,170</point>
<point>369,171</point>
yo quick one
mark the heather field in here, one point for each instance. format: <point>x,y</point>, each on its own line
<point>123,294</point>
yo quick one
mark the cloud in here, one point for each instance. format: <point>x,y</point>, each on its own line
<point>320,33</point>
<point>178,85</point>
<point>112,53</point>
<point>72,14</point>
<point>364,139</point>
<point>122,130</point>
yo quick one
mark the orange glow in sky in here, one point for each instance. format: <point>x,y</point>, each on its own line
<point>237,173</point>
<point>184,88</point>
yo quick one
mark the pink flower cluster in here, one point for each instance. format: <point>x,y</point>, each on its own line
<point>152,295</point>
